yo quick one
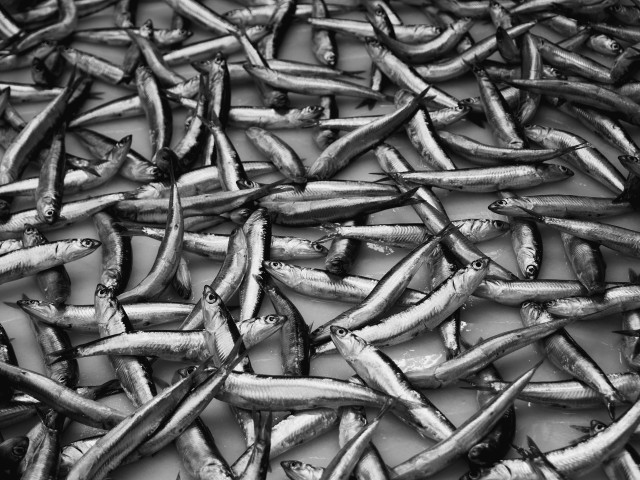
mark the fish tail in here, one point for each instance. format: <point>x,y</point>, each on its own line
<point>15,305</point>
<point>628,333</point>
<point>385,409</point>
<point>62,355</point>
<point>573,148</point>
<point>367,102</point>
<point>130,229</point>
<point>613,399</point>
<point>112,387</point>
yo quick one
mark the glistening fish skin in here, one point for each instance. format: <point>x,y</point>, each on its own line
<point>27,261</point>
<point>382,374</point>
<point>566,354</point>
<point>436,458</point>
<point>428,313</point>
<point>81,317</point>
<point>571,394</point>
<point>384,294</point>
<point>578,459</point>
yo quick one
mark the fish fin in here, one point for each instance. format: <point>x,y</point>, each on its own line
<point>534,215</point>
<point>160,382</point>
<point>521,451</point>
<point>634,277</point>
<point>330,230</point>
<point>353,73</point>
<point>367,102</point>
<point>581,428</point>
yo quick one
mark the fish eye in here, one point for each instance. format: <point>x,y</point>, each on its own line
<point>86,242</point>
<point>317,247</point>
<point>276,264</point>
<point>502,202</point>
<point>295,464</point>
<point>563,169</point>
<point>531,270</point>
<point>49,212</point>
<point>19,451</point>
<point>341,332</point>
<point>474,475</point>
<point>599,427</point>
<point>477,265</point>
<point>475,452</point>
<point>271,319</point>
<point>499,223</point>
<point>210,297</point>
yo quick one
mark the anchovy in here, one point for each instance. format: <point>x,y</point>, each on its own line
<point>561,206</point>
<point>569,393</point>
<point>323,285</point>
<point>60,398</point>
<point>567,355</point>
<point>365,359</point>
<point>439,456</point>
<point>433,309</point>
<point>81,317</point>
<point>488,179</point>
<point>293,430</point>
<point>481,355</point>
<point>257,230</point>
<point>166,261</point>
<point>409,235</point>
<point>580,458</point>
<point>384,294</point>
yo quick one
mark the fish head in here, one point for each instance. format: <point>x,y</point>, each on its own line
<point>31,236</point>
<point>38,308</point>
<point>296,470</point>
<point>500,225</point>
<point>87,243</point>
<point>307,116</point>
<point>240,215</point>
<point>553,171</point>
<point>283,272</point>
<point>105,302</point>
<point>498,471</point>
<point>533,313</point>
<point>210,299</point>
<point>375,48</point>
<point>612,45</point>
<point>552,73</point>
<point>348,343</point>
<point>265,323</point>
<point>14,449</point>
<point>146,30</point>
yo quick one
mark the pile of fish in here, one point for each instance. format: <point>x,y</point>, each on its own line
<point>532,53</point>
